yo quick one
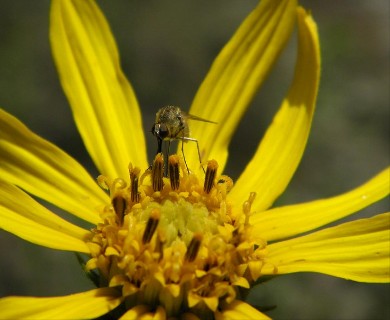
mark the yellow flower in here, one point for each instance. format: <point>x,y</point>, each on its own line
<point>188,244</point>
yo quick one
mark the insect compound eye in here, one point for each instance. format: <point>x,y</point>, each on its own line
<point>160,131</point>
<point>163,132</point>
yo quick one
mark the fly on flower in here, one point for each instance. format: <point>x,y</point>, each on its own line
<point>171,124</point>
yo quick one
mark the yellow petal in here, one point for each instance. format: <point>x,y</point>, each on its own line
<point>280,151</point>
<point>103,103</point>
<point>21,222</point>
<point>86,305</point>
<point>235,77</point>
<point>357,250</point>
<point>135,313</point>
<point>240,310</point>
<point>44,170</point>
<point>20,204</point>
<point>287,221</point>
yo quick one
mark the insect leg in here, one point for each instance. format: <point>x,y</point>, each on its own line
<point>197,146</point>
<point>184,156</point>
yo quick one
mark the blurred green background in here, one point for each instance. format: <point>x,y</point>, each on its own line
<point>166,49</point>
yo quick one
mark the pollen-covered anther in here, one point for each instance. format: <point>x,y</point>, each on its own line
<point>119,204</point>
<point>173,171</point>
<point>247,206</point>
<point>193,247</point>
<point>158,172</point>
<point>134,177</point>
<point>211,172</point>
<point>151,225</point>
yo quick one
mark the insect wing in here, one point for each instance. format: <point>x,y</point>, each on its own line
<point>192,117</point>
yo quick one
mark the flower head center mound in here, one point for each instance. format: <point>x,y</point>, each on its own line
<point>175,241</point>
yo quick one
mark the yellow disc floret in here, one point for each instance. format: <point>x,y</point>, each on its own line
<point>175,241</point>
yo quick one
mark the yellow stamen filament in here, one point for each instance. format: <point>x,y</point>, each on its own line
<point>158,172</point>
<point>173,171</point>
<point>227,181</point>
<point>134,194</point>
<point>151,226</point>
<point>211,172</point>
<point>103,182</point>
<point>193,247</point>
<point>117,184</point>
<point>246,207</point>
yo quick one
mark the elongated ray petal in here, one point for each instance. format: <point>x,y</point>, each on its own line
<point>26,218</point>
<point>357,250</point>
<point>280,151</point>
<point>240,310</point>
<point>271,224</point>
<point>86,305</point>
<point>46,171</point>
<point>15,200</point>
<point>103,103</point>
<point>39,234</point>
<point>235,77</point>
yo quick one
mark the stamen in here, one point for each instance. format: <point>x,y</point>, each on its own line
<point>226,181</point>
<point>246,207</point>
<point>193,247</point>
<point>117,184</point>
<point>104,182</point>
<point>211,172</point>
<point>173,170</point>
<point>119,203</point>
<point>158,172</point>
<point>224,185</point>
<point>160,242</point>
<point>134,174</point>
<point>151,225</point>
<point>146,173</point>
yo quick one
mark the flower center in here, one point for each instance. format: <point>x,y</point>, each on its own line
<point>175,242</point>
